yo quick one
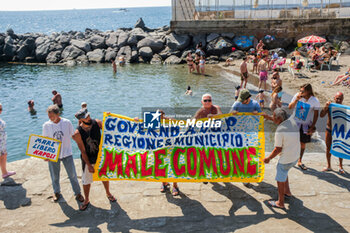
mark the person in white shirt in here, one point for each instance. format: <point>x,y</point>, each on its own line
<point>62,130</point>
<point>306,115</point>
<point>286,143</point>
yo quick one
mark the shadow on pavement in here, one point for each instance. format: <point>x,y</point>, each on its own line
<point>13,194</point>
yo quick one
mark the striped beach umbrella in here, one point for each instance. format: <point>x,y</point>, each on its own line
<point>312,40</point>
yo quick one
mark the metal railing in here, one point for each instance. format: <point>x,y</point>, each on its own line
<point>259,9</point>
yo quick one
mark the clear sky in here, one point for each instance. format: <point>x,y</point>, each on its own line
<point>28,5</point>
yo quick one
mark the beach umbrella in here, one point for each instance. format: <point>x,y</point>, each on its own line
<point>312,40</point>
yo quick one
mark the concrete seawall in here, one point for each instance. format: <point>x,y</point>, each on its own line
<point>282,28</point>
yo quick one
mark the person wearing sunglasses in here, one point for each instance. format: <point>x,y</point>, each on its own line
<point>3,149</point>
<point>88,138</point>
<point>207,109</point>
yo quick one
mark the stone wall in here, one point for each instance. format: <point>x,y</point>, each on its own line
<point>282,28</point>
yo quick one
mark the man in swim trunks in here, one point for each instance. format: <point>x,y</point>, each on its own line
<point>57,99</point>
<point>244,72</point>
<point>338,98</point>
<point>262,70</point>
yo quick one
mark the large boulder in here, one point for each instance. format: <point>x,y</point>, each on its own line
<point>155,44</point>
<point>336,39</point>
<point>156,59</point>
<point>280,52</point>
<point>111,54</point>
<point>134,56</point>
<point>172,60</point>
<point>2,39</point>
<point>140,24</point>
<point>274,43</point>
<point>347,51</point>
<point>23,52</point>
<point>97,42</point>
<point>79,36</point>
<point>228,35</point>
<point>139,33</point>
<point>71,52</point>
<point>53,57</point>
<point>132,40</point>
<point>177,42</point>
<point>123,39</point>
<point>64,40</point>
<point>11,33</point>
<point>30,43</point>
<point>146,53</point>
<point>80,44</point>
<point>9,50</point>
<point>219,46</point>
<point>112,40</point>
<point>126,52</point>
<point>167,52</point>
<point>199,38</point>
<point>55,47</point>
<point>42,51</point>
<point>344,46</point>
<point>39,41</point>
<point>212,36</point>
<point>98,55</point>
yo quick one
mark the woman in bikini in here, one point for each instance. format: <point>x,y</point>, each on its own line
<point>190,63</point>
<point>275,100</point>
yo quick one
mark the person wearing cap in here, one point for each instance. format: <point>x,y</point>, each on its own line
<point>88,137</point>
<point>244,103</point>
<point>83,105</point>
<point>57,99</point>
<point>61,129</point>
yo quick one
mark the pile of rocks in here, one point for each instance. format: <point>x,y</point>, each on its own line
<point>138,44</point>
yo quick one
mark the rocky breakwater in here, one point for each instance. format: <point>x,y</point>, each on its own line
<point>138,45</point>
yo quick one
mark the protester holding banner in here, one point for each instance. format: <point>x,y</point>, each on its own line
<point>61,129</point>
<point>286,143</point>
<point>338,98</point>
<point>88,137</point>
<point>306,114</point>
<point>3,149</point>
<point>244,103</point>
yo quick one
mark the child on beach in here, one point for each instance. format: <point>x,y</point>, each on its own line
<point>276,98</point>
<point>238,88</point>
<point>188,91</point>
<point>262,98</point>
<point>201,65</point>
<point>255,63</point>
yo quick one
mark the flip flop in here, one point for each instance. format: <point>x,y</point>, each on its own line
<point>176,191</point>
<point>326,169</point>
<point>8,174</point>
<point>341,171</point>
<point>274,205</point>
<point>302,167</point>
<point>164,188</point>
<point>79,198</point>
<point>83,207</point>
<point>111,198</point>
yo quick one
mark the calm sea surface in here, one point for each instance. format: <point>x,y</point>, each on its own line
<point>78,20</point>
<point>134,87</point>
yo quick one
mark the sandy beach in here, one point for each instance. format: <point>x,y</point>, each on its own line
<point>319,79</point>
